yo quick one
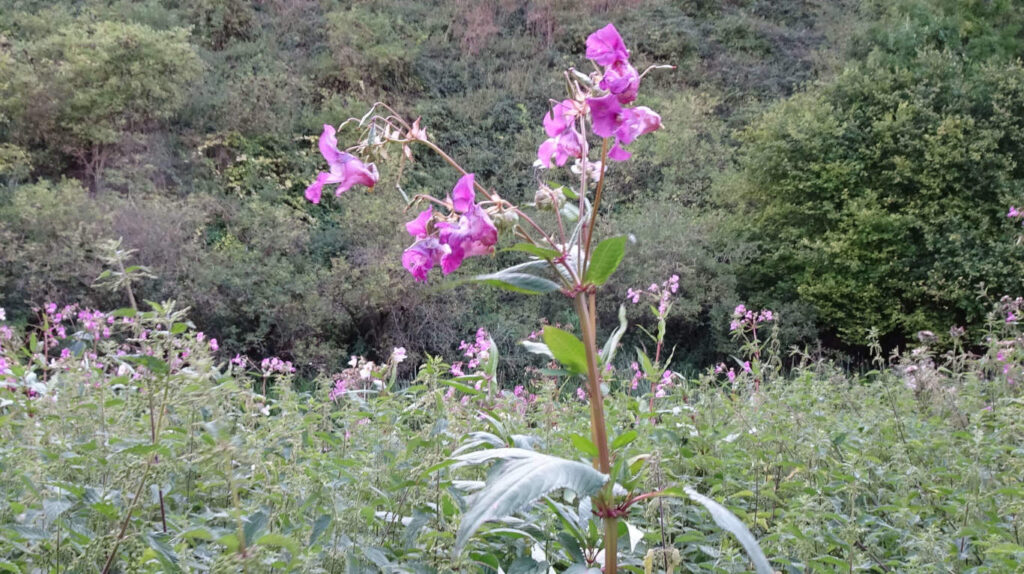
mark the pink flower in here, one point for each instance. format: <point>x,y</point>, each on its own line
<point>605,46</point>
<point>346,170</point>
<point>473,234</point>
<point>746,366</point>
<point>731,375</point>
<point>581,394</point>
<point>422,256</point>
<point>633,295</point>
<point>610,119</point>
<point>622,80</point>
<point>563,140</point>
<point>214,346</point>
<point>418,227</point>
<point>1013,212</point>
<point>200,336</point>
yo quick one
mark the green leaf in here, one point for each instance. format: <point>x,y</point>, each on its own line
<point>535,250</point>
<point>276,540</point>
<point>178,328</point>
<point>566,348</point>
<point>584,445</point>
<point>518,282</point>
<point>537,348</point>
<point>727,520</point>
<point>605,259</point>
<point>624,439</point>
<point>612,344</point>
<point>523,477</point>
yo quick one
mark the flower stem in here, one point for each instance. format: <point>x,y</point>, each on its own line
<point>598,428</point>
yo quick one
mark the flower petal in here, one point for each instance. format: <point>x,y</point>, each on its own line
<point>605,46</point>
<point>418,227</point>
<point>463,194</point>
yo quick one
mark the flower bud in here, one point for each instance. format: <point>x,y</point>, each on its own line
<point>505,220</point>
<point>547,198</point>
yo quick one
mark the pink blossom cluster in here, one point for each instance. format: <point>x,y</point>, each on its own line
<point>662,387</point>
<point>618,83</point>
<point>744,319</point>
<point>447,241</point>
<point>271,365</point>
<point>662,294</point>
<point>475,352</point>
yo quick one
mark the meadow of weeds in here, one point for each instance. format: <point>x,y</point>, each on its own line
<point>130,445</point>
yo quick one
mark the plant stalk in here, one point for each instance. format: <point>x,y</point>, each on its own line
<point>598,429</point>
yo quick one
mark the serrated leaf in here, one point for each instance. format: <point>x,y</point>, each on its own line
<point>605,259</point>
<point>524,477</point>
<point>277,540</point>
<point>566,348</point>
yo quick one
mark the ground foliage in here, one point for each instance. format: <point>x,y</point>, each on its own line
<point>128,438</point>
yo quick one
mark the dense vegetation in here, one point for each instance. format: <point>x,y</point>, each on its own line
<point>202,371</point>
<point>185,129</point>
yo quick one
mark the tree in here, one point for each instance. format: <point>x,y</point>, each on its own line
<point>88,88</point>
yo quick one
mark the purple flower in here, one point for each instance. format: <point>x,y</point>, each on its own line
<point>346,169</point>
<point>473,234</point>
<point>422,256</point>
<point>567,144</point>
<point>610,119</point>
<point>418,227</point>
<point>622,80</point>
<point>463,196</point>
<point>214,346</point>
<point>563,140</point>
<point>605,47</point>
<point>1013,212</point>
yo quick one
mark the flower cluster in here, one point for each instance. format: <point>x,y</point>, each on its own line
<point>618,83</point>
<point>744,319</point>
<point>476,352</point>
<point>662,294</point>
<point>469,231</point>
<point>346,170</point>
<point>272,365</point>
<point>664,384</point>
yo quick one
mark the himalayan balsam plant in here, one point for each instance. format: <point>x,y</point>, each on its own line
<point>592,126</point>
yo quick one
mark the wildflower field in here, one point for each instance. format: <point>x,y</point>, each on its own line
<point>804,353</point>
<point>128,443</point>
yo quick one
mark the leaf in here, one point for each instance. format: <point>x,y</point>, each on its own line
<point>535,250</point>
<point>727,520</point>
<point>165,553</point>
<point>566,348</point>
<point>319,527</point>
<point>518,282</point>
<point>612,344</point>
<point>537,348</point>
<point>523,477</point>
<point>275,540</point>
<point>527,565</point>
<point>584,445</point>
<point>624,439</point>
<point>605,259</point>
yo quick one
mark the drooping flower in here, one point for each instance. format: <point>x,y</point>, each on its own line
<point>610,119</point>
<point>422,256</point>
<point>474,234</point>
<point>605,46</point>
<point>346,169</point>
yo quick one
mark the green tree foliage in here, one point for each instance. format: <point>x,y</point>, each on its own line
<point>88,88</point>
<point>879,197</point>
